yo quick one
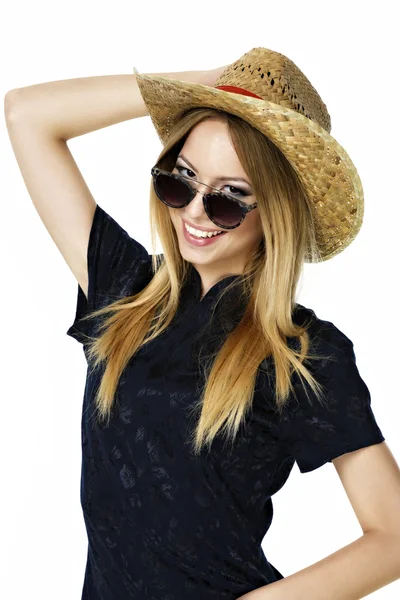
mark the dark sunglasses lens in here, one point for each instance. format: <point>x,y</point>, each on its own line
<point>223,211</point>
<point>173,192</point>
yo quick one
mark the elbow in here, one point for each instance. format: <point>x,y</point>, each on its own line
<point>10,103</point>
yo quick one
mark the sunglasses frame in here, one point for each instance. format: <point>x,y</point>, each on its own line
<point>245,208</point>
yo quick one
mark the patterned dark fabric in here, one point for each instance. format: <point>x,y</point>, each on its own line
<point>163,524</point>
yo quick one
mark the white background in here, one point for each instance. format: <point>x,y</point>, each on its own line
<point>349,52</point>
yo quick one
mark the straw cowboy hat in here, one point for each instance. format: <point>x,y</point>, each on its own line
<point>266,89</point>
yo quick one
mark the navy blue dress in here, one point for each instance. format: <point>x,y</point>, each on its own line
<point>161,523</point>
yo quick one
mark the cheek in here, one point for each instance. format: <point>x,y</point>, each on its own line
<point>250,231</point>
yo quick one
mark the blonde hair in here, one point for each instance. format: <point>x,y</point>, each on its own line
<point>268,286</point>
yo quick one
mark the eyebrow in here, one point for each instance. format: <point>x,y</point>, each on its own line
<point>218,178</point>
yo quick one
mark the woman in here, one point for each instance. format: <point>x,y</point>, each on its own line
<point>206,380</point>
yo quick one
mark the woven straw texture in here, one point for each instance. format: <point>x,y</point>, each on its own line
<point>293,116</point>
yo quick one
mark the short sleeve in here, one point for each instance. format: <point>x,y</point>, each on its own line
<point>315,433</point>
<point>117,266</point>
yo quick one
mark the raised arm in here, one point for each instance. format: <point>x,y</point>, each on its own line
<point>40,119</point>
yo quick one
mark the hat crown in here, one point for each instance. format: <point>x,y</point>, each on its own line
<point>275,78</point>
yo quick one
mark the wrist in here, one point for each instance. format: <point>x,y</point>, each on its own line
<point>211,76</point>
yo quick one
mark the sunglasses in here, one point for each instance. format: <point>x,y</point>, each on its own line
<point>176,192</point>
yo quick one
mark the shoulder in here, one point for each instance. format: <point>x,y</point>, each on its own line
<point>332,358</point>
<point>323,333</point>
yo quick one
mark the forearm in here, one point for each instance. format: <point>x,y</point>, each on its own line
<point>72,107</point>
<point>351,573</point>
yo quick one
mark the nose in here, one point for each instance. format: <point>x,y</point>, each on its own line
<point>195,208</point>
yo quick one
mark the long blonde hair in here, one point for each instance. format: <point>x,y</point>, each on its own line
<point>268,285</point>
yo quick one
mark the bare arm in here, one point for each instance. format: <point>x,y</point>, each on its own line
<point>72,107</point>
<point>41,118</point>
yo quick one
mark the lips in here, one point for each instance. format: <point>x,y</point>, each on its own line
<point>200,241</point>
<point>205,237</point>
<point>203,228</point>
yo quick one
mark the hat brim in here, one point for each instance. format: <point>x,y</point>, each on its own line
<point>326,171</point>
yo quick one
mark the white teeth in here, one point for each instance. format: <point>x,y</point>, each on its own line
<point>203,234</point>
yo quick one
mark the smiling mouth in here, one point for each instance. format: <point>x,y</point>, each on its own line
<point>205,236</point>
<point>203,240</point>
<point>204,233</point>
